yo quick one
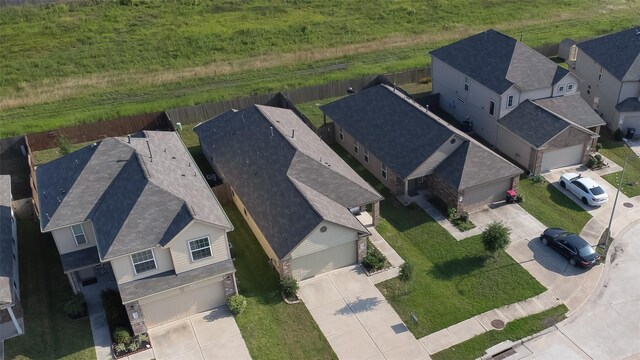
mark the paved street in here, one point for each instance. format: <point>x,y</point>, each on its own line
<point>607,327</point>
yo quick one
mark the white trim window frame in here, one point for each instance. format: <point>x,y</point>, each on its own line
<point>560,88</point>
<point>383,171</point>
<point>143,259</point>
<point>356,149</point>
<point>365,151</point>
<point>202,248</point>
<point>340,133</point>
<point>492,107</point>
<point>79,234</point>
<point>510,99</point>
<point>570,87</point>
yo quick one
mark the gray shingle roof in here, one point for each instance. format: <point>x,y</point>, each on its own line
<point>135,201</point>
<point>170,280</point>
<point>574,108</point>
<point>619,53</point>
<point>6,241</point>
<point>629,105</point>
<point>76,260</point>
<point>288,184</point>
<point>498,61</point>
<point>535,124</point>
<point>378,118</point>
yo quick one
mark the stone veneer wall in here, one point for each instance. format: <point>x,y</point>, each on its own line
<point>229,285</point>
<point>137,321</point>
<point>361,244</point>
<point>438,187</point>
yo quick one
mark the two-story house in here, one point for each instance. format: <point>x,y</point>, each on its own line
<point>300,198</point>
<point>609,69</point>
<point>139,205</point>
<point>11,321</point>
<point>484,77</point>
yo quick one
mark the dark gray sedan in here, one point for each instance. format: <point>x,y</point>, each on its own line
<point>571,246</point>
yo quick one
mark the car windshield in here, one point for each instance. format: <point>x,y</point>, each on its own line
<point>586,251</point>
<point>597,190</point>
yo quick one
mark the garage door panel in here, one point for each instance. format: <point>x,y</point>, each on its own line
<point>568,156</point>
<point>484,195</point>
<point>319,262</point>
<point>182,302</point>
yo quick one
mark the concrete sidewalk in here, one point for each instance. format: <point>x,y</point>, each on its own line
<point>98,319</point>
<point>421,200</point>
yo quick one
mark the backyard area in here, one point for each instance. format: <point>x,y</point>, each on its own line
<point>616,151</point>
<point>49,333</point>
<point>459,271</point>
<point>271,328</point>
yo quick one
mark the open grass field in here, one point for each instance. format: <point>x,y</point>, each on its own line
<point>80,62</point>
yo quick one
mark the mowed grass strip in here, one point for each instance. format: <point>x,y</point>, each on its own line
<point>515,330</point>
<point>44,289</point>
<point>453,280</point>
<point>271,328</point>
<point>552,207</point>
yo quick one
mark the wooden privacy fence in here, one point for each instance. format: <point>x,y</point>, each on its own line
<point>99,130</point>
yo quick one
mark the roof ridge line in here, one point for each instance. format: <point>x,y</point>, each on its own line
<point>264,115</point>
<point>571,123</point>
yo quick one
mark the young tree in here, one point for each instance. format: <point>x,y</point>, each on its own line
<point>495,237</point>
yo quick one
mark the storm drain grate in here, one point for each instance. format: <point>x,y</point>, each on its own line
<point>497,324</point>
<point>628,205</point>
<point>503,355</point>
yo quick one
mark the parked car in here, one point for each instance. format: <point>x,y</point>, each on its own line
<point>585,189</point>
<point>570,245</point>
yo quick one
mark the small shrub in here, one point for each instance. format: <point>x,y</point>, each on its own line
<point>144,337</point>
<point>133,346</point>
<point>121,336</point>
<point>374,260</point>
<point>406,271</point>
<point>537,179</point>
<point>598,146</point>
<point>120,347</point>
<point>75,306</point>
<point>592,162</point>
<point>464,216</point>
<point>64,146</point>
<point>451,213</point>
<point>618,135</point>
<point>598,157</point>
<point>289,286</point>
<point>237,304</point>
<point>495,237</point>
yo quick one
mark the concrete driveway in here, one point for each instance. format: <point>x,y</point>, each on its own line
<point>570,284</point>
<point>356,319</point>
<point>209,335</point>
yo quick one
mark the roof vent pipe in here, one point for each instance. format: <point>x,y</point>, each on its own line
<point>293,133</point>
<point>395,86</point>
<point>150,154</point>
<point>129,139</point>
<point>271,130</point>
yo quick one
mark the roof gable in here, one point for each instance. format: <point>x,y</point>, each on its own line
<point>618,53</point>
<point>574,108</point>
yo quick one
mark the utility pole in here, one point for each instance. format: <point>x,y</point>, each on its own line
<point>616,200</point>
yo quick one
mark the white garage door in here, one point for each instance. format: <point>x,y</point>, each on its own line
<point>178,303</point>
<point>484,195</point>
<point>322,261</point>
<point>568,156</point>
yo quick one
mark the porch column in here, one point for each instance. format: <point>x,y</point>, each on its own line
<point>73,281</point>
<point>375,213</point>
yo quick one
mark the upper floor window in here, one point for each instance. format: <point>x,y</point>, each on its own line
<point>569,87</point>
<point>78,234</point>
<point>143,261</point>
<point>366,155</point>
<point>492,107</point>
<point>561,88</point>
<point>356,149</point>
<point>588,89</point>
<point>383,169</point>
<point>341,134</point>
<point>510,101</point>
<point>200,248</point>
<point>466,83</point>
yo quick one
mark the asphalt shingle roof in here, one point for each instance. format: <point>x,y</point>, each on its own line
<point>403,135</point>
<point>574,108</point>
<point>498,61</point>
<point>618,53</point>
<point>288,184</point>
<point>138,192</point>
<point>535,124</point>
<point>629,105</point>
<point>80,259</point>
<point>6,241</point>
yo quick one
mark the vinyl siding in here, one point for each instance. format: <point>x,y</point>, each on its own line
<point>179,247</point>
<point>318,241</point>
<point>608,88</point>
<point>437,157</point>
<point>629,89</point>
<point>66,243</point>
<point>123,267</point>
<point>566,80</point>
<point>514,147</point>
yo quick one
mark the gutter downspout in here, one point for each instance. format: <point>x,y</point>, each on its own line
<point>15,321</point>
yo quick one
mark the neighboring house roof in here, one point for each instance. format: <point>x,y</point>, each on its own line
<point>288,179</point>
<point>618,53</point>
<point>574,108</point>
<point>138,192</point>
<point>80,259</point>
<point>402,134</point>
<point>535,124</point>
<point>498,61</point>
<point>629,105</point>
<point>168,280</point>
<point>6,241</point>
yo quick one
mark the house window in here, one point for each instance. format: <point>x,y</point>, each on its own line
<point>366,155</point>
<point>561,88</point>
<point>510,101</point>
<point>78,234</point>
<point>492,107</point>
<point>143,261</point>
<point>600,75</point>
<point>588,89</point>
<point>569,87</point>
<point>383,167</point>
<point>421,180</point>
<point>200,248</point>
<point>341,134</point>
<point>466,83</point>
<point>356,149</point>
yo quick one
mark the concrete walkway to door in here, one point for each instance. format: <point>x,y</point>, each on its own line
<point>356,319</point>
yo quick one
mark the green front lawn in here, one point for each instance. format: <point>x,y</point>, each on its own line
<point>515,330</point>
<point>616,151</point>
<point>453,280</point>
<point>44,290</point>
<point>271,328</point>
<point>551,206</point>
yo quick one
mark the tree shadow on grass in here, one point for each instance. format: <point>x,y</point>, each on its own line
<point>448,270</point>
